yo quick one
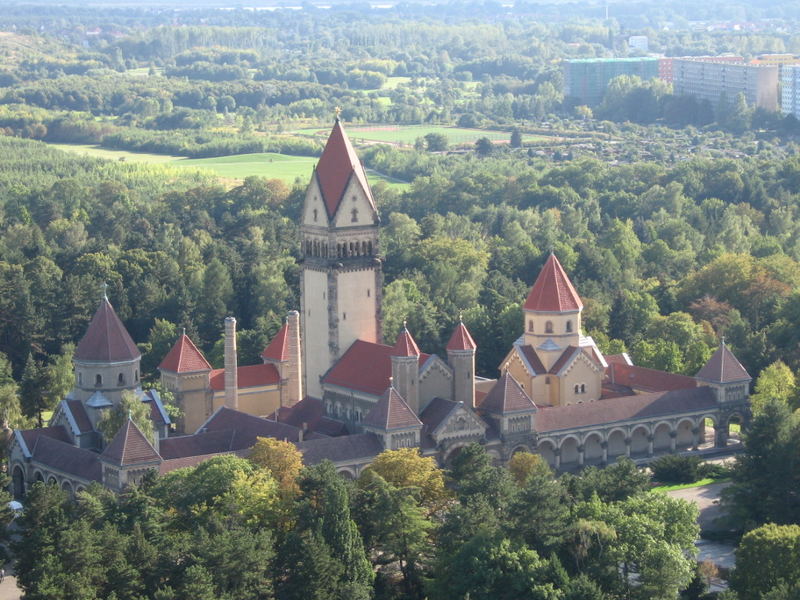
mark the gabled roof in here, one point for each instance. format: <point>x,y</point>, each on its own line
<point>249,376</point>
<point>347,448</point>
<point>612,410</point>
<point>365,367</point>
<point>310,413</point>
<point>461,339</point>
<point>566,358</point>
<point>553,291</point>
<point>184,357</point>
<point>532,360</point>
<point>78,414</point>
<point>648,380</point>
<point>130,447</point>
<point>106,339</point>
<point>723,367</point>
<point>391,412</point>
<point>66,458</point>
<point>278,348</point>
<point>246,428</point>
<point>437,411</point>
<point>405,344</point>
<point>29,437</point>
<point>507,396</point>
<point>337,165</point>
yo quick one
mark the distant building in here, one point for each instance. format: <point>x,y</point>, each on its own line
<point>638,42</point>
<point>714,79</point>
<point>790,90</point>
<point>666,63</point>
<point>586,79</point>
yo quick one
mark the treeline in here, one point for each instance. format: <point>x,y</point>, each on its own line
<point>265,528</point>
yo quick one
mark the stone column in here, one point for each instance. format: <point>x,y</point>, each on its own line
<point>604,446</point>
<point>720,436</point>
<point>695,438</point>
<point>628,447</point>
<point>581,455</point>
<point>649,444</point>
<point>231,365</point>
<point>557,453</point>
<point>673,442</point>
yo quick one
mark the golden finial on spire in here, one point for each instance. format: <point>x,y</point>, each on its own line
<point>338,111</point>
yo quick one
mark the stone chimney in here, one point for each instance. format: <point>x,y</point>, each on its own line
<point>231,364</point>
<point>294,368</point>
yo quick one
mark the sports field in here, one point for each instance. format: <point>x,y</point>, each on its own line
<point>407,134</point>
<point>235,167</point>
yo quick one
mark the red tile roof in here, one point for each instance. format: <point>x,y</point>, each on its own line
<point>648,380</point>
<point>311,412</point>
<point>565,358</point>
<point>507,396</point>
<point>405,345</point>
<point>278,348</point>
<point>640,406</point>
<point>200,443</point>
<point>336,166</point>
<point>391,412</point>
<point>130,447</point>
<point>533,359</point>
<point>246,428</point>
<point>31,436</point>
<point>359,447</point>
<point>184,357</point>
<point>365,367</point>
<point>106,339</point>
<point>461,339</point>
<point>553,291</point>
<point>723,367</point>
<point>250,376</point>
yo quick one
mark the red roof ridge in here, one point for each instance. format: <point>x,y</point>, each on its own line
<point>184,357</point>
<point>461,339</point>
<point>337,165</point>
<point>106,339</point>
<point>553,291</point>
<point>278,348</point>
<point>405,344</point>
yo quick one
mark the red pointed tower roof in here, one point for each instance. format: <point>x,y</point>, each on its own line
<point>184,357</point>
<point>106,339</point>
<point>130,447</point>
<point>461,339</point>
<point>391,412</point>
<point>278,348</point>
<point>553,291</point>
<point>405,344</point>
<point>336,166</point>
<point>723,367</point>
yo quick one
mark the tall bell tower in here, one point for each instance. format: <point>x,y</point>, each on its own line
<point>341,273</point>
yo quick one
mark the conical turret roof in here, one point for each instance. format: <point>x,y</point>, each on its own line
<point>405,344</point>
<point>461,339</point>
<point>553,291</point>
<point>184,357</point>
<point>337,165</point>
<point>106,339</point>
<point>130,447</point>
<point>723,367</point>
<point>278,348</point>
<point>391,412</point>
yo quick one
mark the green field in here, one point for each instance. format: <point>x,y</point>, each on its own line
<point>236,167</point>
<point>407,134</point>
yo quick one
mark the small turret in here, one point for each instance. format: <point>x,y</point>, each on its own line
<point>726,376</point>
<point>405,368</point>
<point>461,357</point>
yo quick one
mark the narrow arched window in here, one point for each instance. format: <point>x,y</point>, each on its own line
<point>136,375</point>
<point>369,248</point>
<point>548,327</point>
<point>577,387</point>
<point>98,380</point>
<point>583,388</point>
<point>121,379</point>
<point>530,326</point>
<point>569,326</point>
<point>315,215</point>
<point>354,217</point>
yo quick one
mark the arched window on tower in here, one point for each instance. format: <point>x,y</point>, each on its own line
<point>583,388</point>
<point>569,326</point>
<point>548,327</point>
<point>98,380</point>
<point>121,379</point>
<point>354,215</point>
<point>530,326</point>
<point>577,388</point>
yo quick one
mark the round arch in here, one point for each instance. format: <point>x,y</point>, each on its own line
<point>37,476</point>
<point>640,442</point>
<point>684,434</point>
<point>18,482</point>
<point>67,487</point>
<point>662,442</point>
<point>569,451</point>
<point>547,450</point>
<point>734,423</point>
<point>346,473</point>
<point>52,480</point>
<point>616,443</point>
<point>593,448</point>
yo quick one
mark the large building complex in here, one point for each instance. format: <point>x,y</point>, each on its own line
<point>329,383</point>
<point>715,80</point>
<point>586,79</point>
<point>790,90</point>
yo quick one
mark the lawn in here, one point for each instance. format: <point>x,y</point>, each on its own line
<point>235,167</point>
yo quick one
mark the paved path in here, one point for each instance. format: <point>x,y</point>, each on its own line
<point>9,589</point>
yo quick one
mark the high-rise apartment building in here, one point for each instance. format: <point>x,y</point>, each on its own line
<point>790,90</point>
<point>586,79</point>
<point>711,79</point>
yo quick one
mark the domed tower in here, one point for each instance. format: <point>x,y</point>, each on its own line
<point>341,272</point>
<point>106,361</point>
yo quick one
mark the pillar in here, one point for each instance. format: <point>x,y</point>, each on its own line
<point>649,444</point>
<point>557,453</point>
<point>695,437</point>
<point>673,442</point>
<point>604,446</point>
<point>581,454</point>
<point>628,447</point>
<point>231,365</point>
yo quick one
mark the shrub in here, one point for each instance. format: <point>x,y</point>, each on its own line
<point>676,468</point>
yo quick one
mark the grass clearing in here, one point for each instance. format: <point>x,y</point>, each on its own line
<point>407,134</point>
<point>233,168</point>
<point>686,486</point>
<point>393,82</point>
